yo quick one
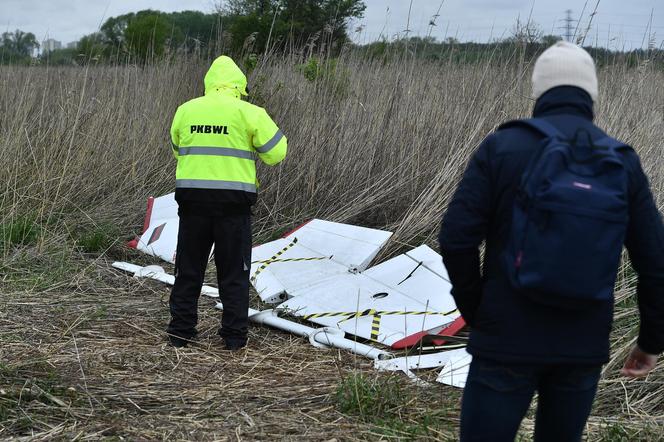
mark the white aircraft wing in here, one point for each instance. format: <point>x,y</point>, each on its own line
<point>313,253</point>
<point>387,303</point>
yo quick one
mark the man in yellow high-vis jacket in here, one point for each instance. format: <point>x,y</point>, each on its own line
<point>217,139</point>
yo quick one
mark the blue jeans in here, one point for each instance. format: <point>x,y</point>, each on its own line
<point>497,396</point>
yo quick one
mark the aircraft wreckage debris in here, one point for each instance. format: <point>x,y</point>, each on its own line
<point>321,273</point>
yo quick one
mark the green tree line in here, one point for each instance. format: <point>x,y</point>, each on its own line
<point>17,46</point>
<point>237,26</point>
<point>508,50</point>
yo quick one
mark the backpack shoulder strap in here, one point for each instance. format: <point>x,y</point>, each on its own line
<point>542,126</point>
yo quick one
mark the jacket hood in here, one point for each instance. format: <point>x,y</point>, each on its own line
<point>223,75</point>
<point>565,100</point>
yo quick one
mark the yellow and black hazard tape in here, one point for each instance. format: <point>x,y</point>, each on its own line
<point>271,260</point>
<point>371,312</point>
<point>377,314</point>
<point>375,327</point>
<point>276,258</point>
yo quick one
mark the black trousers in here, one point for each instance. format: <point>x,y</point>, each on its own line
<point>231,236</point>
<point>497,396</point>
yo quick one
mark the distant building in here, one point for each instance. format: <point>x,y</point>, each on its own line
<point>72,45</point>
<point>51,45</point>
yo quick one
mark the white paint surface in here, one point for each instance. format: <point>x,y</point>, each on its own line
<point>323,249</point>
<point>456,370</point>
<point>164,213</point>
<point>419,362</point>
<point>456,364</point>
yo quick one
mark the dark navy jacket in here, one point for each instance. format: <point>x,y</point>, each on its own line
<point>506,325</point>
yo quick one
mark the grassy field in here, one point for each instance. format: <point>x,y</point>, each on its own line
<point>82,352</point>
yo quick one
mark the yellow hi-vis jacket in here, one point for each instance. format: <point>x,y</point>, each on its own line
<point>218,137</point>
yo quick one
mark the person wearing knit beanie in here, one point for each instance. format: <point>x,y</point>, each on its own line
<point>565,64</point>
<point>536,197</point>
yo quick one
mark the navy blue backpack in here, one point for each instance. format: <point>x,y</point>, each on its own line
<point>569,219</point>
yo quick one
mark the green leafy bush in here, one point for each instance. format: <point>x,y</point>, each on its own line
<point>327,72</point>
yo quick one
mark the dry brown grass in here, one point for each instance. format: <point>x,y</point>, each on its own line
<point>88,360</point>
<point>383,145</point>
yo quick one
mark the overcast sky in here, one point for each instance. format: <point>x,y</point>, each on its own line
<point>619,23</point>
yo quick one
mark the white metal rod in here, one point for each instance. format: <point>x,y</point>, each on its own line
<point>327,336</point>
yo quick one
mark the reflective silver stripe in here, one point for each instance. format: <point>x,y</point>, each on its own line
<point>270,144</point>
<point>215,184</point>
<point>216,151</point>
<point>174,146</point>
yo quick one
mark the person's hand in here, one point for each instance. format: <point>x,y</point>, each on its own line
<point>638,363</point>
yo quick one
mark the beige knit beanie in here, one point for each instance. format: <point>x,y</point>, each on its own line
<point>564,64</point>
